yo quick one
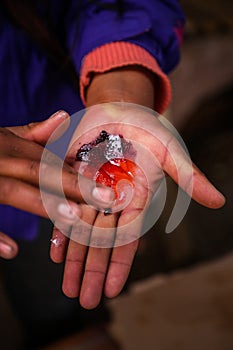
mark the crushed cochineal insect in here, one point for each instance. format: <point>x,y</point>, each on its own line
<point>109,160</point>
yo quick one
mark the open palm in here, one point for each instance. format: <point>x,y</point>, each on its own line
<point>100,249</point>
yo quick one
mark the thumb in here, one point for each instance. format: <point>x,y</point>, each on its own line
<point>8,247</point>
<point>42,131</point>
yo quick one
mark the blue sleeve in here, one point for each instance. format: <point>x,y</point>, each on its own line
<point>155,25</point>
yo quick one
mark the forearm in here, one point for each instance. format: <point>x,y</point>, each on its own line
<point>133,84</point>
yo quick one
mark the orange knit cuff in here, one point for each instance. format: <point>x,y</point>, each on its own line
<point>120,54</point>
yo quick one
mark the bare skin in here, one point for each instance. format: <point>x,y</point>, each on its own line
<point>89,271</point>
<point>21,150</point>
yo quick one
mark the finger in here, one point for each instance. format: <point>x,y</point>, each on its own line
<point>58,246</point>
<point>26,197</point>
<point>174,160</point>
<point>41,132</point>
<point>8,247</point>
<point>171,157</point>
<point>76,253</point>
<point>204,192</point>
<point>72,278</point>
<point>126,241</point>
<point>56,178</point>
<point>178,165</point>
<point>129,230</point>
<point>119,268</point>
<point>97,260</point>
<point>12,145</point>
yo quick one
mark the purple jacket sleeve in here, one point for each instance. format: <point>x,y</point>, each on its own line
<point>155,25</point>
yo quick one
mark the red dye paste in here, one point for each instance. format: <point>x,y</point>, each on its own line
<point>109,159</point>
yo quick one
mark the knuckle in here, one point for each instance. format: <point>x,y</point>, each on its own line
<point>51,159</point>
<point>4,132</point>
<point>75,183</point>
<point>6,188</point>
<point>34,169</point>
<point>4,138</point>
<point>15,148</point>
<point>39,201</point>
<point>27,130</point>
<point>28,127</point>
<point>40,205</point>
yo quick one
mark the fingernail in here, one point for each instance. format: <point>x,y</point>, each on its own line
<point>67,211</point>
<point>103,194</point>
<point>5,248</point>
<point>59,114</point>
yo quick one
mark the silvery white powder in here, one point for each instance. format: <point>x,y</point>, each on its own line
<point>113,148</point>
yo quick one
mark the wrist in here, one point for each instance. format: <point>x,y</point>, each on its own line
<point>133,84</point>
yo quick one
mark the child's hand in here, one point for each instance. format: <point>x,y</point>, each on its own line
<point>100,252</point>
